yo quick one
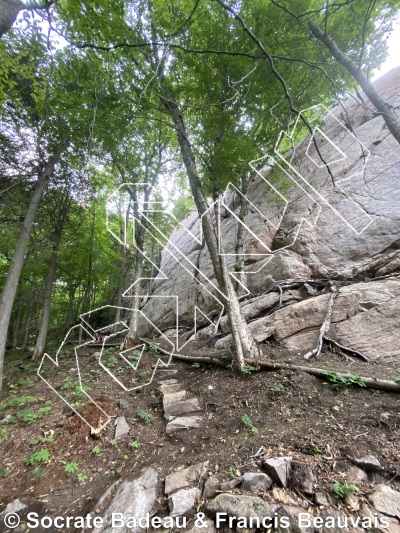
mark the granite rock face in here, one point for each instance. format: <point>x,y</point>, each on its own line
<point>341,222</point>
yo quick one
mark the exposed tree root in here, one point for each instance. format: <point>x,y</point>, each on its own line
<point>345,348</point>
<point>326,324</point>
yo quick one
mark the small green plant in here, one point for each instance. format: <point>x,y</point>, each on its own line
<point>81,477</point>
<point>135,444</point>
<point>196,365</point>
<point>50,438</point>
<point>316,450</point>
<point>232,472</point>
<point>4,473</point>
<point>153,347</point>
<point>335,380</point>
<point>33,442</point>
<point>28,416</point>
<point>146,417</point>
<point>167,417</point>
<point>343,490</point>
<point>18,402</point>
<point>3,435</point>
<point>36,458</point>
<point>397,379</point>
<point>96,450</point>
<point>278,388</point>
<point>70,468</point>
<point>248,369</point>
<point>112,362</point>
<point>38,473</point>
<point>68,383</point>
<point>247,422</point>
<point>113,442</point>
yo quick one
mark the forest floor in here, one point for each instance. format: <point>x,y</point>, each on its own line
<point>292,413</point>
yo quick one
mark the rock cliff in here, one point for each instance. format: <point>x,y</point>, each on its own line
<point>328,209</point>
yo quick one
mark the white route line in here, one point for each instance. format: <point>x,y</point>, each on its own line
<point>184,262</point>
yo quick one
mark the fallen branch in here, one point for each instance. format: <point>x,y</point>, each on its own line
<point>372,383</point>
<point>326,324</point>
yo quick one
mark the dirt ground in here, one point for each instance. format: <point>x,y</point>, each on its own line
<point>292,413</point>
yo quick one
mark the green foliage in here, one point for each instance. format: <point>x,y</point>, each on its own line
<point>196,365</point>
<point>232,472</point>
<point>343,490</point>
<point>397,379</point>
<point>153,347</point>
<point>28,416</point>
<point>248,369</point>
<point>3,435</point>
<point>82,478</point>
<point>5,472</point>
<point>70,468</point>
<point>135,444</point>
<point>96,450</point>
<point>336,380</point>
<point>36,458</point>
<point>248,423</point>
<point>278,388</point>
<point>146,417</point>
<point>18,402</point>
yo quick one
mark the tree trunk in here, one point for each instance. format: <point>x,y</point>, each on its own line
<point>239,248</point>
<point>14,272</point>
<point>9,10</point>
<point>386,110</point>
<point>48,286</point>
<point>244,343</point>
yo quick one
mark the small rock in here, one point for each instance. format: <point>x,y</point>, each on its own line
<point>212,485</point>
<point>303,478</point>
<point>352,502</point>
<point>356,475</point>
<point>123,404</point>
<point>368,462</point>
<point>169,388</point>
<point>187,477</point>
<point>241,505</point>
<point>292,513</point>
<point>181,423</point>
<point>324,499</point>
<point>284,497</point>
<point>181,408</point>
<point>96,355</point>
<point>121,427</point>
<point>231,484</point>
<point>167,381</point>
<point>253,481</point>
<point>13,507</point>
<point>134,498</point>
<point>183,501</point>
<point>386,500</point>
<point>173,398</point>
<point>279,469</point>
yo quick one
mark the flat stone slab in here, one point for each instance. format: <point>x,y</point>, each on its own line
<point>121,427</point>
<point>241,505</point>
<point>169,388</point>
<point>191,476</point>
<point>184,501</point>
<point>183,422</point>
<point>386,500</point>
<point>173,398</point>
<point>134,498</point>
<point>183,407</point>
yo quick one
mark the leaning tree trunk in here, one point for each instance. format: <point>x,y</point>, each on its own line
<point>9,10</point>
<point>386,110</point>
<point>14,272</point>
<point>48,285</point>
<point>244,343</point>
